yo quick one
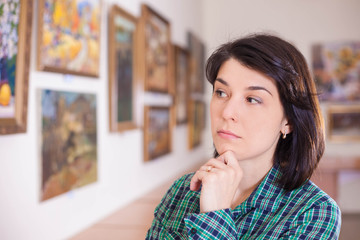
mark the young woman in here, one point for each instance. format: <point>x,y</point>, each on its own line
<point>269,137</point>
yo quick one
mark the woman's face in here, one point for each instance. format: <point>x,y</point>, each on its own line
<point>246,113</point>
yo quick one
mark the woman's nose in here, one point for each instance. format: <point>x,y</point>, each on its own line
<point>231,110</point>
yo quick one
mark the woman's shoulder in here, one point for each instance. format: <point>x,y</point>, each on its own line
<point>317,195</point>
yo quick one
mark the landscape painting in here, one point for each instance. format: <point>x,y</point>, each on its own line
<point>157,133</point>
<point>68,141</point>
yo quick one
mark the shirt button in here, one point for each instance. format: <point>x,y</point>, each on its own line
<point>193,231</point>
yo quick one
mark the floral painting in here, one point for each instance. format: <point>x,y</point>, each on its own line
<point>9,18</point>
<point>68,141</point>
<point>69,36</point>
<point>336,68</point>
<point>15,39</point>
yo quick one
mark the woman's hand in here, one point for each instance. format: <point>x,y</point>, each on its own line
<point>220,179</point>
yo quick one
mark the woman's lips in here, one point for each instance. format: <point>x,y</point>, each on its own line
<point>227,134</point>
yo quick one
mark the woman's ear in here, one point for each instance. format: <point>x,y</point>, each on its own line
<point>287,128</point>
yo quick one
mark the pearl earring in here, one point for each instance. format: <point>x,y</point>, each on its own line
<point>284,135</point>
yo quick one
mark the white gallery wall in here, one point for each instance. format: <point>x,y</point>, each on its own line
<point>302,22</point>
<point>122,174</point>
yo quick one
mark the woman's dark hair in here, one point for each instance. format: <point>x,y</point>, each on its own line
<point>299,153</point>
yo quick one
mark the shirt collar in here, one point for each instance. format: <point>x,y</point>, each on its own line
<point>265,195</point>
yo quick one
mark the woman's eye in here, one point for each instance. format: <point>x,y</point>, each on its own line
<point>253,100</point>
<point>220,93</point>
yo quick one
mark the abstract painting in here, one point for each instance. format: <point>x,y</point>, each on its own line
<point>69,36</point>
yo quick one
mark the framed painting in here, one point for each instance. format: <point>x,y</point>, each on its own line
<point>68,141</point>
<point>336,69</point>
<point>15,36</point>
<point>196,123</point>
<point>181,83</point>
<point>155,51</point>
<point>196,64</point>
<point>157,132</point>
<point>69,36</point>
<point>122,69</point>
<point>344,123</point>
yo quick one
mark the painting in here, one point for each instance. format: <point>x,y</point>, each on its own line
<point>196,124</point>
<point>196,64</point>
<point>344,123</point>
<point>68,141</point>
<point>122,70</point>
<point>69,36</point>
<point>157,132</point>
<point>155,47</point>
<point>336,69</point>
<point>181,83</point>
<point>15,35</point>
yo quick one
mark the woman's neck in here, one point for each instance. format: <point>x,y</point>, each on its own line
<point>253,174</point>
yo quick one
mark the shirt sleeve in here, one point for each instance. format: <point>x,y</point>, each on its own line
<point>211,225</point>
<point>320,222</point>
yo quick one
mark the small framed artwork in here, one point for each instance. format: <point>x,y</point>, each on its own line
<point>157,132</point>
<point>336,69</point>
<point>69,37</point>
<point>122,70</point>
<point>68,141</point>
<point>155,50</point>
<point>181,83</point>
<point>15,36</point>
<point>344,123</point>
<point>196,122</point>
<point>196,64</point>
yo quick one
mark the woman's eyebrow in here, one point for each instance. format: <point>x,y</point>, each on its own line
<point>222,81</point>
<point>252,88</point>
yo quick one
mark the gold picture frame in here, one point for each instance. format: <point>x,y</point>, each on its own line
<point>13,113</point>
<point>344,123</point>
<point>155,51</point>
<point>157,131</point>
<point>68,42</point>
<point>122,59</point>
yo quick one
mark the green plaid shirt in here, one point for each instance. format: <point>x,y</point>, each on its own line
<point>269,213</point>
